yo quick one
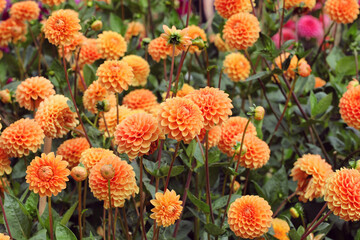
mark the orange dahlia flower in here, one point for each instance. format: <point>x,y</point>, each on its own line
<point>227,8</point>
<point>290,71</point>
<point>89,52</point>
<point>344,11</point>
<point>181,119</point>
<point>140,67</point>
<point>142,99</point>
<point>195,32</point>
<point>55,117</point>
<point>12,31</point>
<point>342,194</point>
<point>31,92</point>
<point>111,119</point>
<point>4,163</point>
<point>281,229</point>
<point>92,156</point>
<point>185,90</point>
<point>5,96</point>
<point>213,135</point>
<point>220,44</point>
<point>309,4</point>
<point>249,216</point>
<point>115,75</point>
<point>62,26</point>
<point>122,185</point>
<point>237,67</point>
<point>176,37</point>
<point>2,5</point>
<point>319,82</point>
<point>230,129</point>
<point>167,208</point>
<point>21,137</point>
<point>135,29</point>
<point>52,2</point>
<point>76,42</point>
<point>25,11</point>
<point>72,149</point>
<point>47,175</point>
<point>135,134</point>
<point>96,93</point>
<point>4,237</point>
<point>311,172</point>
<point>350,106</point>
<point>257,151</point>
<point>159,49</point>
<point>111,45</point>
<point>215,105</point>
<point>241,31</point>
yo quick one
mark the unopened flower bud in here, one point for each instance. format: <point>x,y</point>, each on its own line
<point>90,3</point>
<point>236,186</point>
<point>5,96</point>
<point>107,171</point>
<point>145,42</point>
<point>103,106</point>
<point>201,44</point>
<point>78,173</point>
<point>259,113</point>
<point>294,213</point>
<point>357,165</point>
<point>353,83</point>
<point>96,25</point>
<point>237,149</point>
<point>304,68</point>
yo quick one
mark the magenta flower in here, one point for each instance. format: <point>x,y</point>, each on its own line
<point>288,34</point>
<point>310,27</point>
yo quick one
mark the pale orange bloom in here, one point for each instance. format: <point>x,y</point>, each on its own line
<point>92,156</point>
<point>290,71</point>
<point>25,10</point>
<point>237,67</point>
<point>2,236</point>
<point>52,2</point>
<point>227,8</point>
<point>12,31</point>
<point>135,29</point>
<point>5,96</point>
<point>141,69</point>
<point>220,44</point>
<point>195,32</point>
<point>344,11</point>
<point>2,5</point>
<point>111,119</point>
<point>350,107</point>
<point>309,4</point>
<point>140,99</point>
<point>89,52</point>
<point>319,82</point>
<point>111,45</point>
<point>96,93</point>
<point>176,37</point>
<point>4,163</point>
<point>72,149</point>
<point>213,135</point>
<point>159,49</point>
<point>281,229</point>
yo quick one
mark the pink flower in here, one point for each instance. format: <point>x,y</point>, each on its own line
<point>288,34</point>
<point>291,24</point>
<point>310,27</point>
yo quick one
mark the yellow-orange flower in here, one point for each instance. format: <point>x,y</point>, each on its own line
<point>141,99</point>
<point>195,32</point>
<point>249,216</point>
<point>290,71</point>
<point>309,4</point>
<point>111,119</point>
<point>89,52</point>
<point>135,29</point>
<point>257,151</point>
<point>12,31</point>
<point>185,90</point>
<point>55,117</point>
<point>140,67</point>
<point>344,11</point>
<point>92,156</point>
<point>227,8</point>
<point>5,96</point>
<point>22,137</point>
<point>241,31</point>
<point>220,44</point>
<point>47,175</point>
<point>135,134</point>
<point>350,107</point>
<point>230,129</point>
<point>181,119</point>
<point>2,5</point>
<point>281,229</point>
<point>25,10</point>
<point>52,2</point>
<point>237,67</point>
<point>76,42</point>
<point>2,236</point>
<point>72,149</point>
<point>215,105</point>
<point>4,163</point>
<point>213,135</point>
<point>167,208</point>
<point>115,75</point>
<point>342,194</point>
<point>311,172</point>
<point>122,185</point>
<point>176,37</point>
<point>96,93</point>
<point>319,82</point>
<point>159,49</point>
<point>31,92</point>
<point>111,45</point>
<point>62,26</point>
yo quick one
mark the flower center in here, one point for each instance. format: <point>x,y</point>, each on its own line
<point>60,22</point>
<point>45,173</point>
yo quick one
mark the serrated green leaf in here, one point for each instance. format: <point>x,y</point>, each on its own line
<point>89,74</point>
<point>312,100</point>
<point>71,105</point>
<point>65,219</point>
<point>200,204</point>
<point>176,170</point>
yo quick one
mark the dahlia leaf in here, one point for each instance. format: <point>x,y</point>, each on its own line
<point>322,105</point>
<point>214,229</point>
<point>200,204</point>
<point>40,235</point>
<point>64,233</point>
<point>65,219</point>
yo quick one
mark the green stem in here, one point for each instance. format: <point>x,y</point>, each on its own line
<point>79,211</point>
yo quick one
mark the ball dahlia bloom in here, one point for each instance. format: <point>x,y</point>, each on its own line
<point>135,29</point>
<point>311,173</point>
<point>89,52</point>
<point>237,67</point>
<point>308,4</point>
<point>4,163</point>
<point>353,83</point>
<point>140,67</point>
<point>176,37</point>
<point>25,10</point>
<point>96,93</point>
<point>342,194</point>
<point>12,31</point>
<point>122,185</point>
<point>47,175</point>
<point>281,229</point>
<point>159,49</point>
<point>215,105</point>
<point>115,75</point>
<point>185,90</point>
<point>52,2</point>
<point>241,30</point>
<point>61,27</point>
<point>90,157</point>
<point>135,134</point>
<point>344,11</point>
<point>5,96</point>
<point>310,27</point>
<point>287,34</point>
<point>22,137</point>
<point>230,129</point>
<point>31,92</point>
<point>55,117</point>
<point>196,32</point>
<point>167,208</point>
<point>111,45</point>
<point>227,8</point>
<point>350,106</point>
<point>111,119</point>
<point>249,216</point>
<point>220,44</point>
<point>213,135</point>
<point>140,99</point>
<point>72,149</point>
<point>181,119</point>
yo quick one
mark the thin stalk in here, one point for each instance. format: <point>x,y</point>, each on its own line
<point>150,19</point>
<point>50,219</point>
<point>171,72</point>
<point>165,72</point>
<point>171,166</point>
<point>84,201</point>
<point>125,223</point>
<point>316,217</point>
<point>316,225</point>
<point>283,204</point>
<point>182,59</point>
<point>117,108</point>
<point>104,222</point>
<point>188,13</point>
<point>142,198</point>
<point>21,63</point>
<point>207,176</point>
<point>110,213</point>
<point>4,214</point>
<point>322,43</point>
<point>79,210</point>
<point>207,67</point>
<point>220,76</point>
<point>246,181</point>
